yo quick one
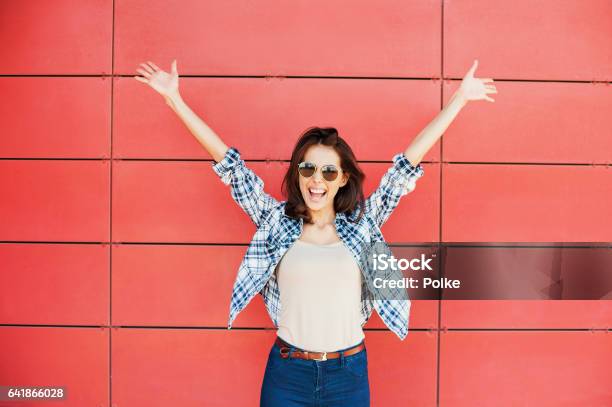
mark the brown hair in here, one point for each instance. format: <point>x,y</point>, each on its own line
<point>348,199</point>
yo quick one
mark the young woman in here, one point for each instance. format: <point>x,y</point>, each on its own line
<point>305,258</point>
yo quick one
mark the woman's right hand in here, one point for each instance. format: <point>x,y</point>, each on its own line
<point>166,84</point>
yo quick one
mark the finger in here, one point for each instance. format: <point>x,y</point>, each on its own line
<point>155,67</point>
<point>487,79</point>
<point>491,88</point>
<point>141,79</point>
<point>489,99</point>
<point>174,66</point>
<point>491,91</point>
<point>473,68</point>
<point>144,73</point>
<point>147,67</point>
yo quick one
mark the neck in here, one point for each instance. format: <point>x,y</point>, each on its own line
<point>323,216</point>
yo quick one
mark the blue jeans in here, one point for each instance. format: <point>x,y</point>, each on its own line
<point>318,383</point>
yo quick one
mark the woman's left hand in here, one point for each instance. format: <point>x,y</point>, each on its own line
<point>474,88</point>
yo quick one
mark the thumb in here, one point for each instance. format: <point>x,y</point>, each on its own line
<point>474,66</point>
<point>174,66</point>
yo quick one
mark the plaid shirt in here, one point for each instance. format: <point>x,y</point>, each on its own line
<point>276,232</point>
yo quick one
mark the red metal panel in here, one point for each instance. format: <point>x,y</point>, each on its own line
<point>180,202</point>
<point>522,273</point>
<point>180,286</point>
<point>54,284</point>
<point>549,314</point>
<point>533,122</point>
<point>72,120</point>
<point>75,358</point>
<point>53,200</point>
<point>423,315</point>
<point>526,203</point>
<point>56,37</point>
<point>525,368</point>
<point>417,217</point>
<point>185,367</point>
<point>264,118</point>
<point>555,40</point>
<point>386,38</point>
<point>402,373</point>
<point>162,201</point>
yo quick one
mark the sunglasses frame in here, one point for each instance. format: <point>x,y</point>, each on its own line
<point>316,168</point>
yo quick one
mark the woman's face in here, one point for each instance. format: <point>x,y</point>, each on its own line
<point>319,193</point>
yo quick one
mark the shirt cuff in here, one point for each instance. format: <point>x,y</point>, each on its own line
<point>406,174</point>
<point>405,167</point>
<point>225,167</point>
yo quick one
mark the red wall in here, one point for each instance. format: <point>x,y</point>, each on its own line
<point>119,245</point>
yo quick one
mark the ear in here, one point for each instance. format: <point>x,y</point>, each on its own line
<point>345,178</point>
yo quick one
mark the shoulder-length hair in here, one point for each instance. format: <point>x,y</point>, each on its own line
<point>348,199</point>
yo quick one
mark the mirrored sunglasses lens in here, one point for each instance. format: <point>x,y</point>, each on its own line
<point>306,169</point>
<point>329,172</point>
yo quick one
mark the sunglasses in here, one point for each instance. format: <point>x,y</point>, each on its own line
<point>307,170</point>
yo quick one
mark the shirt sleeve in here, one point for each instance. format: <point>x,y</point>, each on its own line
<point>247,189</point>
<point>399,180</point>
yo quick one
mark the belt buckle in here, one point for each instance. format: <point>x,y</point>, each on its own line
<point>284,355</point>
<point>324,357</point>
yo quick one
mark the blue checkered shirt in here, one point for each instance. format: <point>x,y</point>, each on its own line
<point>276,232</point>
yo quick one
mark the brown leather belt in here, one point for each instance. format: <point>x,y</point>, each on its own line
<point>304,354</point>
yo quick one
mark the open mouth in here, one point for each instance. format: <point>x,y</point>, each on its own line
<point>316,194</point>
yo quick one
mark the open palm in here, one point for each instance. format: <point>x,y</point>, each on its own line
<point>474,88</point>
<point>163,82</point>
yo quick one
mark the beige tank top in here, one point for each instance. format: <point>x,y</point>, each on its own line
<point>320,292</point>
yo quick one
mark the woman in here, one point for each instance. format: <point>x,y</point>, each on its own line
<point>307,252</point>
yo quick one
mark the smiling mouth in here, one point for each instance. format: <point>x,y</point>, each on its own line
<point>316,194</point>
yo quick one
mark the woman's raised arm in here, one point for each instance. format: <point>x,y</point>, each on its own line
<point>247,188</point>
<point>167,85</point>
<point>400,179</point>
<point>471,88</point>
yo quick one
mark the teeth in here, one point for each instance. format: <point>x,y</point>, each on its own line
<point>317,191</point>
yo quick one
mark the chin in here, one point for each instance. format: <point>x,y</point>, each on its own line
<point>314,205</point>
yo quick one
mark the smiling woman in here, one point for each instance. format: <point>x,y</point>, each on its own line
<point>305,258</point>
